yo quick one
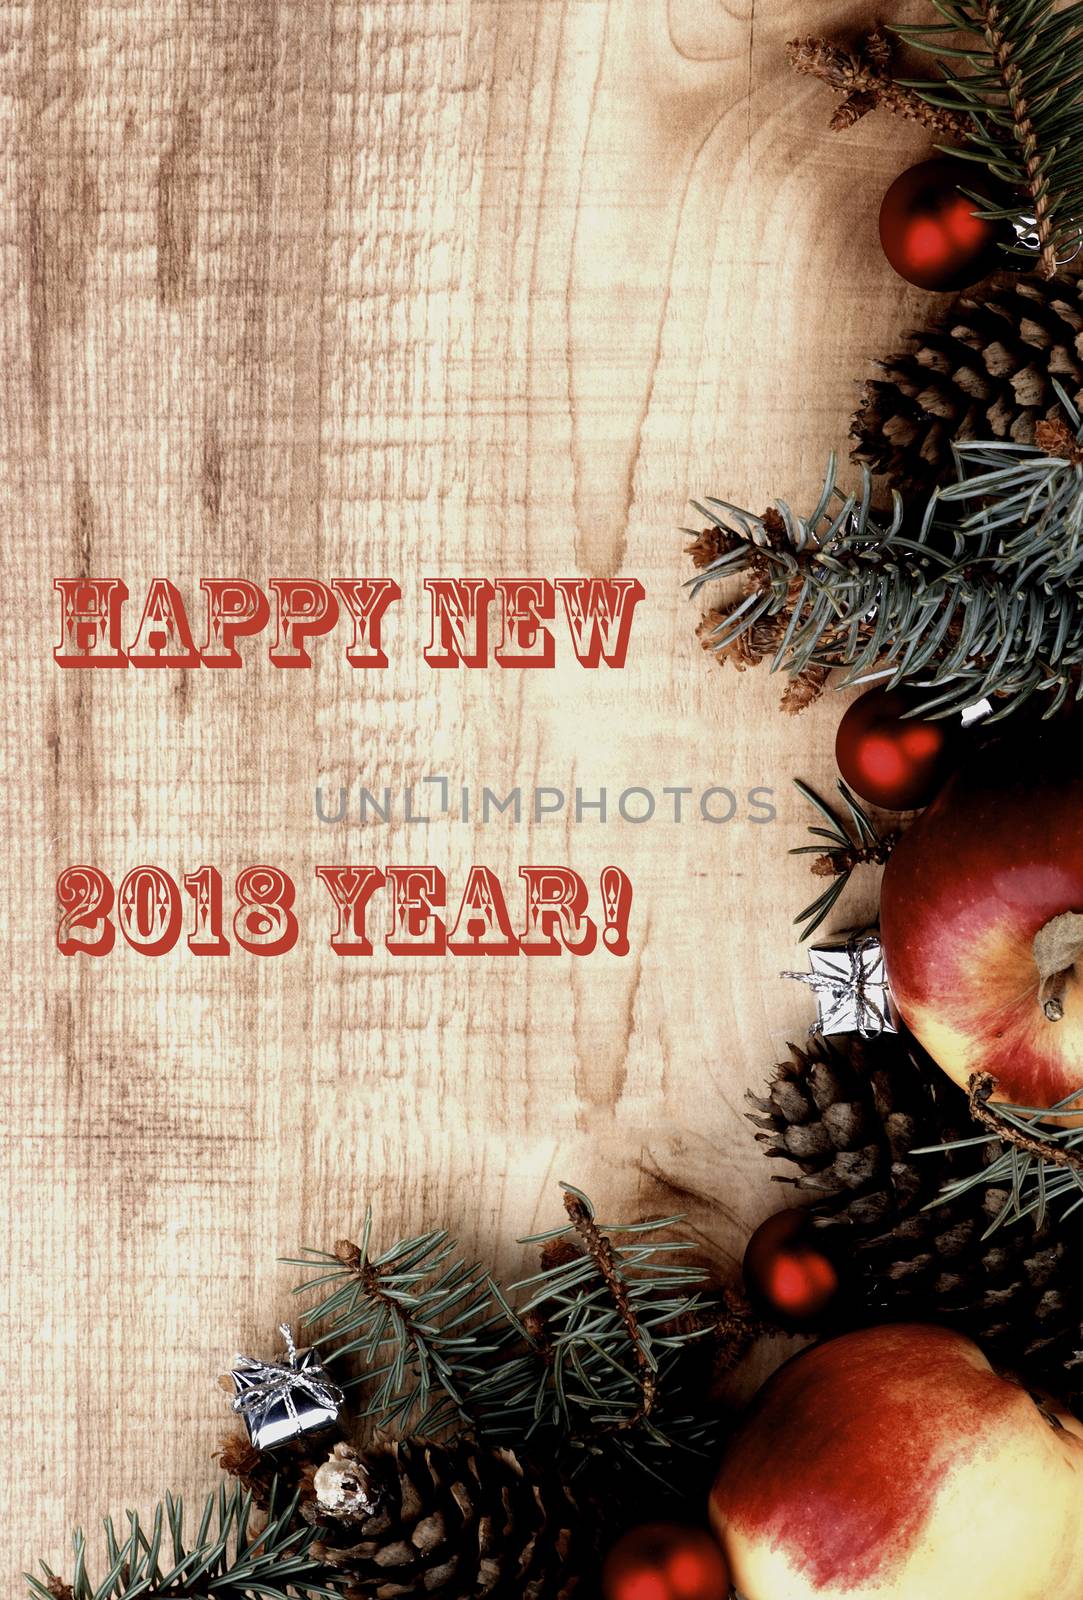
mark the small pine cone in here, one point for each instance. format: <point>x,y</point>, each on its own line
<point>459,1521</point>
<point>804,689</point>
<point>290,1465</point>
<point>847,1114</point>
<point>983,371</point>
<point>710,544</point>
<point>749,648</point>
<point>1056,438</point>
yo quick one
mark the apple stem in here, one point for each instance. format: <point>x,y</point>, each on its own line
<point>1057,947</point>
<point>1051,995</point>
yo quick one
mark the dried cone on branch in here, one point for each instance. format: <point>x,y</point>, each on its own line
<point>290,1466</point>
<point>763,639</point>
<point>847,1116</point>
<point>458,1521</point>
<point>983,371</point>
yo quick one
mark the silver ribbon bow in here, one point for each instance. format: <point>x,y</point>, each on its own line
<point>262,1384</point>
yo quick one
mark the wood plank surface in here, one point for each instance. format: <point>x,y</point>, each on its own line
<point>403,288</point>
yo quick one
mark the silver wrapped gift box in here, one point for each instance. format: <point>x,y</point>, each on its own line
<point>281,1400</point>
<point>849,980</point>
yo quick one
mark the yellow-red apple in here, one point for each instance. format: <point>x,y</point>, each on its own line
<point>895,1464</point>
<point>995,860</point>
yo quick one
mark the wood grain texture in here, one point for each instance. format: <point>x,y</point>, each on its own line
<point>416,288</point>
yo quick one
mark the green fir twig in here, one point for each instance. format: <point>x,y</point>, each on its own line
<point>591,1354</point>
<point>848,845</point>
<point>421,1320</point>
<point>1016,77</point>
<point>979,594</point>
<point>1030,1154</point>
<point>226,1558</point>
<point>614,1315</point>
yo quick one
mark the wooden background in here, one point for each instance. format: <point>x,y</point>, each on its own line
<point>405,287</point>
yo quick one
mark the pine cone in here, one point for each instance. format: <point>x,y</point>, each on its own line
<point>288,1468</point>
<point>458,1521</point>
<point>984,371</point>
<point>847,1115</point>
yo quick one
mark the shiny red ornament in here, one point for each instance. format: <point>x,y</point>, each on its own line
<point>893,760</point>
<point>665,1561</point>
<point>789,1273</point>
<point>928,229</point>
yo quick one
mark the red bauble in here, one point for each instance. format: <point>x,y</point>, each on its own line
<point>891,759</point>
<point>789,1273</point>
<point>665,1561</point>
<point>928,228</point>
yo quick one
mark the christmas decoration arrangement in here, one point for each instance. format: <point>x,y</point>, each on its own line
<point>1007,88</point>
<point>442,1434</point>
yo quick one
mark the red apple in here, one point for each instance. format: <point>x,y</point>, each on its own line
<point>895,1464</point>
<point>993,861</point>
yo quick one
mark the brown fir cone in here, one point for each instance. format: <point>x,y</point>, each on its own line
<point>804,689</point>
<point>291,1464</point>
<point>847,1114</point>
<point>459,1521</point>
<point>862,74</point>
<point>709,544</point>
<point>756,644</point>
<point>983,371</point>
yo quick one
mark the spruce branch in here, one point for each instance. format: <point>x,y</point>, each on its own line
<point>593,1354</point>
<point>851,844</point>
<point>608,1264</point>
<point>976,594</point>
<point>1030,1153</point>
<point>228,1558</point>
<point>1018,82</point>
<point>419,1316</point>
<point>863,76</point>
<point>1008,1128</point>
<point>613,1312</point>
